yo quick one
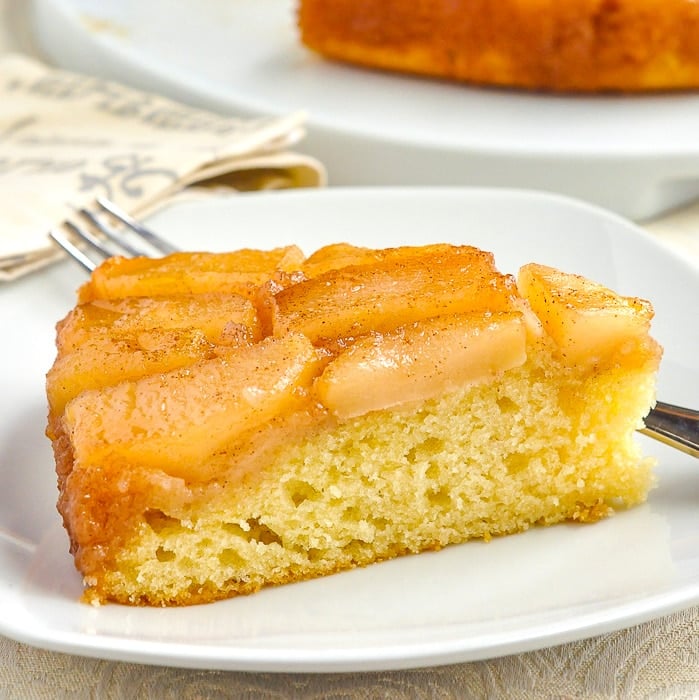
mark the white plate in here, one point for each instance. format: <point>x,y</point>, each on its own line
<point>467,602</point>
<point>636,155</point>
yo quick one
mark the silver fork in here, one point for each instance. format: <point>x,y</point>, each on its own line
<point>675,426</point>
<point>672,425</point>
<point>89,246</point>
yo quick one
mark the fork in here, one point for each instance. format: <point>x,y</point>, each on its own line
<point>90,246</point>
<point>672,425</point>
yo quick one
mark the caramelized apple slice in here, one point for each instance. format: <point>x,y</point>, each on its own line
<point>420,361</point>
<point>239,272</point>
<point>418,283</point>
<point>101,360</point>
<point>212,314</point>
<point>339,255</point>
<point>174,421</point>
<point>590,324</point>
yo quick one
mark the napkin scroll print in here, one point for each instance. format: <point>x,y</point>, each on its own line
<point>67,138</point>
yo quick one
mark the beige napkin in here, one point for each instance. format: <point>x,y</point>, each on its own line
<point>67,138</point>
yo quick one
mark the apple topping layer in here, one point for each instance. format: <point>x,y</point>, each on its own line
<point>221,422</point>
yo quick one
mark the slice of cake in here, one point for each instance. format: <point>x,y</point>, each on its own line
<point>576,45</point>
<point>284,418</point>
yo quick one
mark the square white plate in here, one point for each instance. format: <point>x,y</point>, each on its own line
<point>472,601</point>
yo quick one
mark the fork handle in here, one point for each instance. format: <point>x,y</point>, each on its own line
<point>675,426</point>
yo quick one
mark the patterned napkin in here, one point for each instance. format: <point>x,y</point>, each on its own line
<point>67,138</point>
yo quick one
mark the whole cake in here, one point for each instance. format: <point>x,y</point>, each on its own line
<point>570,45</point>
<point>221,422</point>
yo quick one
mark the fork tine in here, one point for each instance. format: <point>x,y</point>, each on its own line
<point>122,245</point>
<point>106,247</point>
<point>74,251</point>
<point>90,245</point>
<point>156,241</point>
